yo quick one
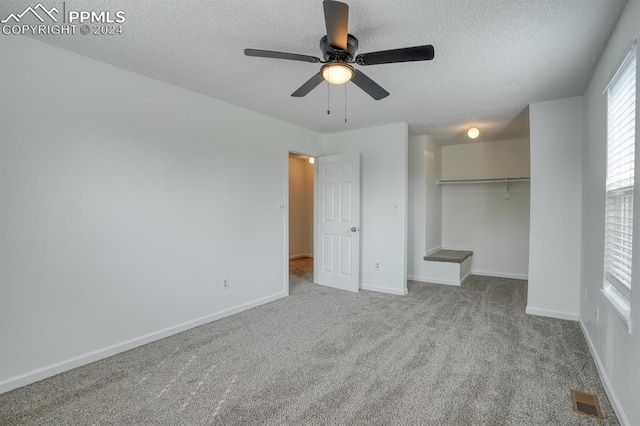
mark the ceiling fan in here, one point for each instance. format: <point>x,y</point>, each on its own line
<point>338,49</point>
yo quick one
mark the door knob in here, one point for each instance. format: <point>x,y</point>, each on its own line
<point>354,229</point>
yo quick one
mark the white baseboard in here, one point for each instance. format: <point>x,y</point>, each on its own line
<point>300,256</point>
<point>433,281</point>
<point>388,290</point>
<point>472,272</point>
<point>500,275</point>
<point>60,367</point>
<point>433,250</point>
<point>551,314</point>
<point>613,398</point>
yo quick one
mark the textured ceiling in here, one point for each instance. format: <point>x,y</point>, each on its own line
<point>493,57</point>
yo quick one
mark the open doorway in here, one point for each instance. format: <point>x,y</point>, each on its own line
<point>301,220</point>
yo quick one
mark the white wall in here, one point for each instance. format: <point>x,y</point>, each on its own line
<point>300,208</point>
<point>383,165</point>
<point>617,353</point>
<point>556,209</point>
<point>508,158</point>
<point>425,203</point>
<point>477,217</point>
<point>125,201</point>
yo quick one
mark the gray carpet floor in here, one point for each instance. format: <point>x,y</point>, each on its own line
<point>440,355</point>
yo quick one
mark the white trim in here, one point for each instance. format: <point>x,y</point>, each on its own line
<point>285,255</point>
<point>500,274</point>
<point>433,250</point>
<point>551,314</point>
<point>388,290</point>
<point>60,367</point>
<point>626,58</point>
<point>620,307</point>
<point>613,398</point>
<point>472,272</point>
<point>433,281</point>
<point>300,256</point>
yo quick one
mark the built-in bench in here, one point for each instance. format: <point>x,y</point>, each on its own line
<point>451,256</point>
<point>449,267</point>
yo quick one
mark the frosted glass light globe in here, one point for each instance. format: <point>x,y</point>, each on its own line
<point>473,132</point>
<point>337,73</point>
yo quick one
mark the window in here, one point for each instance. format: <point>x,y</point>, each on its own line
<point>621,111</point>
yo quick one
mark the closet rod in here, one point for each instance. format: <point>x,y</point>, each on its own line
<point>481,180</point>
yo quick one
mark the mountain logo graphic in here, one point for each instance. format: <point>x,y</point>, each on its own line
<point>34,11</point>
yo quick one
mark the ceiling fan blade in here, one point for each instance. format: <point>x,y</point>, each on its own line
<point>308,86</point>
<point>280,55</point>
<point>336,17</point>
<point>407,54</point>
<point>369,86</point>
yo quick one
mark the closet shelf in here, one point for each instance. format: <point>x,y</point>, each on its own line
<point>482,180</point>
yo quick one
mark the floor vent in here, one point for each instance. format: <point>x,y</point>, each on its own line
<point>586,403</point>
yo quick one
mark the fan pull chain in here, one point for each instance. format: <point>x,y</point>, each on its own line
<point>328,91</point>
<point>345,102</point>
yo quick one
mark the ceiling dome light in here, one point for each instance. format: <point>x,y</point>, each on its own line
<point>337,72</point>
<point>312,160</point>
<point>473,132</point>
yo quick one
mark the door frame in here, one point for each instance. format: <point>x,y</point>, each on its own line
<point>286,214</point>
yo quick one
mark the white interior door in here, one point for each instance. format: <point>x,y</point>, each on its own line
<point>337,239</point>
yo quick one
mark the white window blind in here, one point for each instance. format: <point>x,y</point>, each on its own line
<point>620,177</point>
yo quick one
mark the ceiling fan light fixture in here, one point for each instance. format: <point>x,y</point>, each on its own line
<point>473,133</point>
<point>339,48</point>
<point>337,72</point>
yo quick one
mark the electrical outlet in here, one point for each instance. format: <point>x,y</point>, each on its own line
<point>377,266</point>
<point>597,314</point>
<point>225,283</point>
